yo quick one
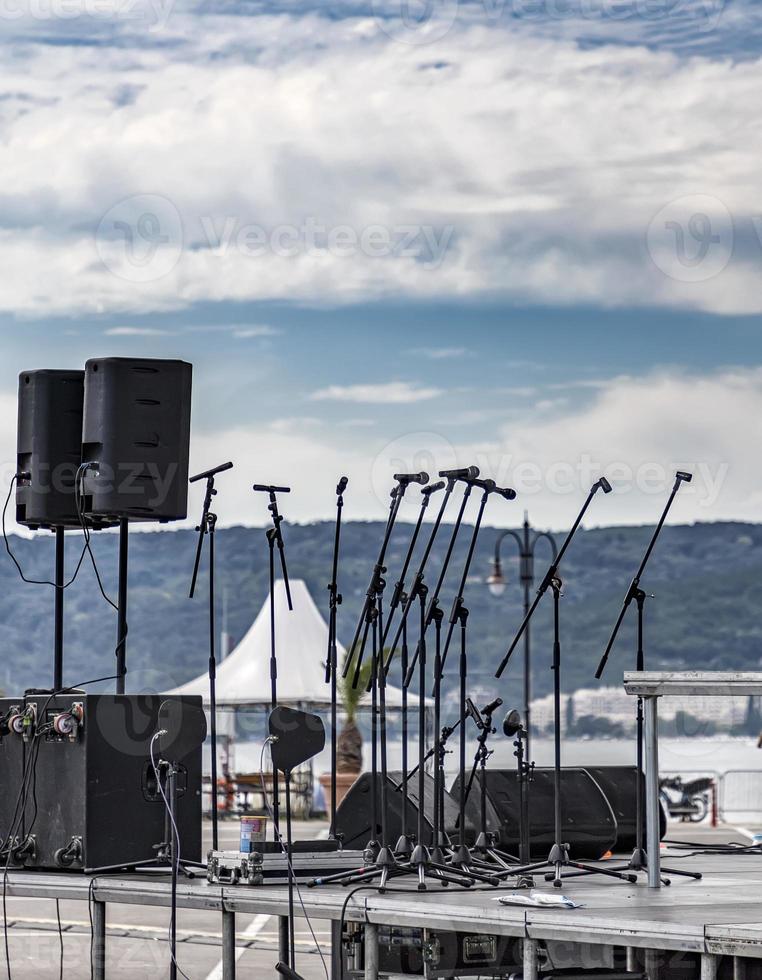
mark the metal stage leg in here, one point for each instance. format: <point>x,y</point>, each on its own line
<point>228,945</point>
<point>337,970</point>
<point>99,940</point>
<point>371,951</point>
<point>283,939</point>
<point>651,964</point>
<point>652,792</point>
<point>739,968</point>
<point>531,967</point>
<point>632,959</point>
<point>709,965</point>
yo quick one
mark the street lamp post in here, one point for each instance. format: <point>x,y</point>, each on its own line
<point>527,541</point>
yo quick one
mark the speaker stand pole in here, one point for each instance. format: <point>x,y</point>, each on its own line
<point>59,611</point>
<point>121,619</point>
<point>289,853</point>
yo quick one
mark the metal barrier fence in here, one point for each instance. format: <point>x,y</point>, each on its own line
<point>737,793</point>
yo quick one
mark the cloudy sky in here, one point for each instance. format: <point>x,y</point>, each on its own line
<point>392,233</point>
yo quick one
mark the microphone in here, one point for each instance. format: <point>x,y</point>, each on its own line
<point>506,492</point>
<point>341,486</point>
<point>512,723</point>
<point>433,487</point>
<point>487,485</point>
<point>490,708</point>
<point>207,473</point>
<point>270,489</point>
<point>474,712</point>
<point>422,477</point>
<point>679,476</point>
<point>604,484</point>
<point>469,473</point>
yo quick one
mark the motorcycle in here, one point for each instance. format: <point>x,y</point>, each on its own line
<point>689,801</point>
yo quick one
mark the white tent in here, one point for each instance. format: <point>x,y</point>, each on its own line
<point>301,644</point>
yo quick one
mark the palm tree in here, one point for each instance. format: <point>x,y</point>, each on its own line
<point>349,741</point>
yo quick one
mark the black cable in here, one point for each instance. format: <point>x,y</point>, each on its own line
<point>80,501</point>
<point>60,941</point>
<point>33,581</point>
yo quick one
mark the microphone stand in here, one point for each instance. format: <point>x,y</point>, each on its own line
<point>434,601</point>
<point>397,493</point>
<point>207,525</point>
<point>559,857</point>
<point>419,575</point>
<point>275,539</point>
<point>639,860</point>
<point>331,665</point>
<point>399,589</point>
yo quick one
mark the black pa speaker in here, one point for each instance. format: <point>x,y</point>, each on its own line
<point>354,816</point>
<point>588,822</point>
<point>619,784</point>
<point>48,447</point>
<point>92,797</point>
<point>136,433</point>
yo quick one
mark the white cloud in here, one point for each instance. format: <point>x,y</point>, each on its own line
<point>637,431</point>
<point>546,161</point>
<point>441,353</point>
<point>388,393</point>
<point>136,332</point>
<point>261,330</point>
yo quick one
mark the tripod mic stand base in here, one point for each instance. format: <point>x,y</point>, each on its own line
<point>404,847</point>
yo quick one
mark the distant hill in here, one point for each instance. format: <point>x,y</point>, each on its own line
<point>706,613</point>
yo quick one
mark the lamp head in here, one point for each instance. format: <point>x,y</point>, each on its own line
<point>496,580</point>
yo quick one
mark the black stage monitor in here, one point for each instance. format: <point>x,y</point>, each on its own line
<point>296,737</point>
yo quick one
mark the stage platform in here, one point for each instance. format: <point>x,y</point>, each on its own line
<point>721,915</point>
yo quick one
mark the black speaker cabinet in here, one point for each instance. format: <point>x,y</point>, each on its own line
<point>619,785</point>
<point>588,821</point>
<point>136,427</point>
<point>48,447</point>
<point>11,763</point>
<point>354,818</point>
<point>96,802</point>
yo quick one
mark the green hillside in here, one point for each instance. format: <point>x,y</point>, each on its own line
<point>705,614</point>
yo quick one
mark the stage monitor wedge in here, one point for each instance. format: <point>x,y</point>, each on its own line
<point>48,447</point>
<point>136,436</point>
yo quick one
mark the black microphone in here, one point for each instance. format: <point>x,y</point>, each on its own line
<point>422,477</point>
<point>488,709</point>
<point>474,712</point>
<point>487,485</point>
<point>680,475</point>
<point>604,484</point>
<point>506,492</point>
<point>433,487</point>
<point>512,723</point>
<point>341,486</point>
<point>269,489</point>
<point>207,473</point>
<point>469,473</point>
